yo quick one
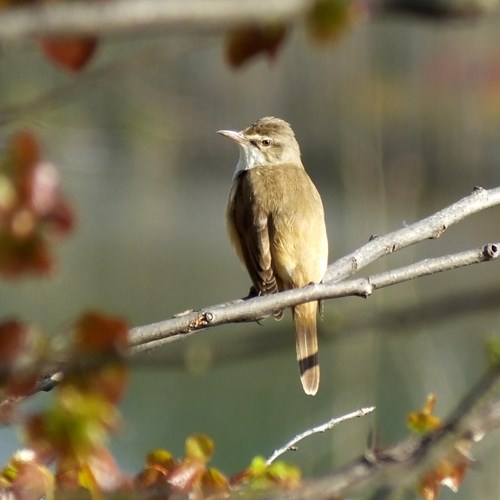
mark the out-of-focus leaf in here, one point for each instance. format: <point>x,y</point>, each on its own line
<point>493,352</point>
<point>75,427</point>
<point>259,475</point>
<point>32,209</point>
<point>448,472</point>
<point>99,343</point>
<point>160,458</point>
<point>25,477</point>
<point>185,476</point>
<point>100,333</point>
<point>18,359</point>
<point>246,42</point>
<point>98,474</point>
<point>422,422</point>
<point>158,463</point>
<point>213,482</point>
<point>13,338</point>
<point>199,447</point>
<point>71,53</point>
<point>328,19</point>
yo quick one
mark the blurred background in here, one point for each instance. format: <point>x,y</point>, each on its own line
<point>396,119</point>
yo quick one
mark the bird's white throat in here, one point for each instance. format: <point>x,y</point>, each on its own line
<point>250,157</point>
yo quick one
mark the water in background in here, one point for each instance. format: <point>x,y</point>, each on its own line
<point>396,120</point>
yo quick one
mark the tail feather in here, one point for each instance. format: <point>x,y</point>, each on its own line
<point>306,341</point>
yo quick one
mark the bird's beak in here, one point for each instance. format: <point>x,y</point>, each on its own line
<point>235,136</point>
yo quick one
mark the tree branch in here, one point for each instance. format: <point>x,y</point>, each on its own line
<point>402,465</point>
<point>152,336</point>
<point>290,446</point>
<point>200,16</point>
<point>429,228</point>
<point>120,16</point>
<point>145,338</point>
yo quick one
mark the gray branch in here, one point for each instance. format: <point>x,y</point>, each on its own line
<point>396,468</point>
<point>291,445</point>
<point>252,309</point>
<point>429,228</point>
<point>194,16</point>
<point>120,16</point>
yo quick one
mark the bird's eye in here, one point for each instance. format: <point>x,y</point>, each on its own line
<point>266,142</point>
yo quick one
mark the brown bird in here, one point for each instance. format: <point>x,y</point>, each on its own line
<point>276,224</point>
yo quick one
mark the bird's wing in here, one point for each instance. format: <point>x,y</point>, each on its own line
<point>250,227</point>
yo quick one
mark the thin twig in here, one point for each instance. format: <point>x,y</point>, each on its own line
<point>290,446</point>
<point>400,466</point>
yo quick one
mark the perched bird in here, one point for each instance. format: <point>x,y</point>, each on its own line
<point>276,224</point>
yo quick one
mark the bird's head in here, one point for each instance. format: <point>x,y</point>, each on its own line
<point>267,142</point>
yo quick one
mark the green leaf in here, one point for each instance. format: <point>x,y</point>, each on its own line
<point>330,18</point>
<point>199,447</point>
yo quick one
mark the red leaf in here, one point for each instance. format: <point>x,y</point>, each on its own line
<point>31,208</point>
<point>247,42</point>
<point>27,477</point>
<point>185,476</point>
<point>17,359</point>
<point>101,340</point>
<point>71,53</point>
<point>100,333</point>
<point>13,336</point>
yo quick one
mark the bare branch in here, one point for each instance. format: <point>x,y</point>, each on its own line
<point>429,228</point>
<point>290,446</point>
<point>152,336</point>
<point>145,338</point>
<point>195,16</point>
<point>121,16</point>
<point>399,467</point>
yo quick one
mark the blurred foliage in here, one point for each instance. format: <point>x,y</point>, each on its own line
<point>380,138</point>
<point>449,471</point>
<point>72,433</point>
<point>32,209</point>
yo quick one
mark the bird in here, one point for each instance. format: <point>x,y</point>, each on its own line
<point>276,224</point>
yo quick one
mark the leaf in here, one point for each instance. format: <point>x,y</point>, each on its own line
<point>71,53</point>
<point>185,476</point>
<point>32,209</point>
<point>74,427</point>
<point>100,343</point>
<point>493,352</point>
<point>257,467</point>
<point>259,475</point>
<point>98,333</point>
<point>449,472</point>
<point>246,42</point>
<point>18,357</point>
<point>328,19</point>
<point>199,447</point>
<point>160,458</point>
<point>13,338</point>
<point>25,477</point>
<point>213,482</point>
<point>284,475</point>
<point>98,473</point>
<point>424,421</point>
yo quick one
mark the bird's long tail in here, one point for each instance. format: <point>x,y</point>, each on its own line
<point>306,341</point>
